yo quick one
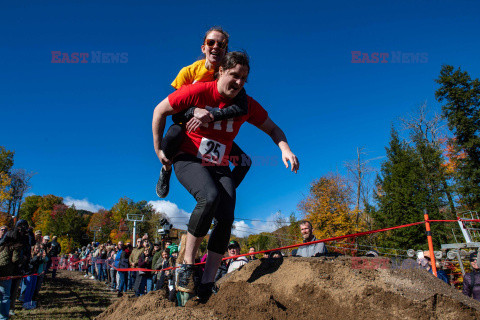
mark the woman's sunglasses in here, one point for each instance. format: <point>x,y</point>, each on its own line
<point>211,43</point>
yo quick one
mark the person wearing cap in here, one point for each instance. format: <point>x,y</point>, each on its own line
<point>312,250</point>
<point>427,264</point>
<point>38,237</point>
<point>231,265</point>
<point>471,280</point>
<point>236,263</point>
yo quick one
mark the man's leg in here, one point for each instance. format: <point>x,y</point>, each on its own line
<point>5,298</point>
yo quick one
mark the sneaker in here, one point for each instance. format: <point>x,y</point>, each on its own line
<point>163,183</point>
<point>184,281</point>
<point>92,278</point>
<point>205,291</point>
<point>119,294</point>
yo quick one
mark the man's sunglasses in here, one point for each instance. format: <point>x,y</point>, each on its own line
<point>211,43</point>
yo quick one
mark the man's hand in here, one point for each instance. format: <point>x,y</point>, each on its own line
<point>199,116</point>
<point>289,156</point>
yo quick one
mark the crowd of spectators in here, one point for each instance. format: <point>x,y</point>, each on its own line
<point>25,258</point>
<point>112,264</point>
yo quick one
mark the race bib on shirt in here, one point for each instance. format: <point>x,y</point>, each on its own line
<point>211,151</point>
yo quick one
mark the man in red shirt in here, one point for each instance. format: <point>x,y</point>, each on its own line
<point>202,164</point>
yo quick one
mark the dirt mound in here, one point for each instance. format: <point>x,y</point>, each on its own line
<point>312,288</point>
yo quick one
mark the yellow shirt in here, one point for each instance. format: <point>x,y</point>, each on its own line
<point>193,73</point>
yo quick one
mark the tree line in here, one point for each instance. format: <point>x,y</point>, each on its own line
<point>427,168</point>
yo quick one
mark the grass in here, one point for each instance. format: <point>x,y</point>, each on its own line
<point>69,296</point>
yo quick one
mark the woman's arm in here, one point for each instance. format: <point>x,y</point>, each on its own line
<point>278,136</point>
<point>237,109</point>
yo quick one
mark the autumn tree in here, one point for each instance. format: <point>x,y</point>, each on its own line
<point>6,163</point>
<point>461,97</point>
<point>126,206</point>
<point>102,220</point>
<point>28,208</point>
<point>329,207</point>
<point>20,184</point>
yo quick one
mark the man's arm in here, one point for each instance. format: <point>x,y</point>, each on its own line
<point>162,110</point>
<point>277,135</point>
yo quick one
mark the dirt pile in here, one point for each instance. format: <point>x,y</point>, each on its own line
<point>312,288</point>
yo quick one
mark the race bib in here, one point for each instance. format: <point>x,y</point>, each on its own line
<point>211,151</point>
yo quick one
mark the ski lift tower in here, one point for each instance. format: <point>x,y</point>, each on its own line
<point>470,233</point>
<point>135,218</point>
<point>95,229</point>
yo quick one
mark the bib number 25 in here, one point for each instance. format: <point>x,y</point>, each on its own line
<point>211,150</point>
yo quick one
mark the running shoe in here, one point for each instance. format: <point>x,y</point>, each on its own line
<point>163,183</point>
<point>205,291</point>
<point>184,280</point>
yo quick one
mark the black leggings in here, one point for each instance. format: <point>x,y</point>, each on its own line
<point>214,190</point>
<point>173,139</point>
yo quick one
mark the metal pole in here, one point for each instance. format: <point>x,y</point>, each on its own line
<point>134,232</point>
<point>430,243</point>
<point>460,262</point>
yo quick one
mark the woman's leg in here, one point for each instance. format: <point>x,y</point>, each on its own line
<point>242,164</point>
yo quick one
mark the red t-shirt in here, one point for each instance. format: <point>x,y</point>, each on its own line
<point>212,141</point>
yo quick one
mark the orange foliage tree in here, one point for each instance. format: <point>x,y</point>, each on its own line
<point>329,207</point>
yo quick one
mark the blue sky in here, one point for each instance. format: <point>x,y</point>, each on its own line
<point>85,128</point>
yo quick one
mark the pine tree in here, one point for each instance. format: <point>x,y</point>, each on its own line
<point>461,95</point>
<point>402,196</point>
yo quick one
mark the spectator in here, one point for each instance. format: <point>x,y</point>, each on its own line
<point>133,260</point>
<point>471,280</point>
<point>236,263</point>
<point>121,262</point>
<point>161,260</point>
<point>144,278</point>
<point>251,257</point>
<point>3,231</point>
<point>19,240</point>
<point>53,253</point>
<point>168,243</point>
<point>276,255</point>
<point>158,254</point>
<point>41,271</point>
<point>38,237</point>
<point>313,250</point>
<point>31,280</point>
<point>170,274</point>
<point>11,260</point>
<point>426,263</point>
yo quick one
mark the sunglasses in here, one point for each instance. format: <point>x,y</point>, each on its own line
<point>211,43</point>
